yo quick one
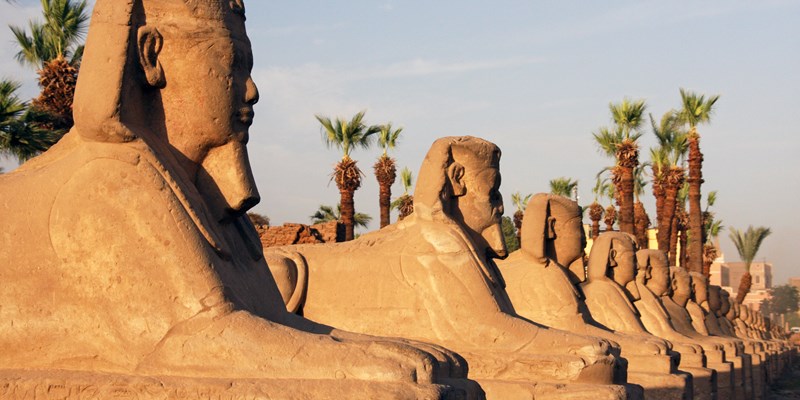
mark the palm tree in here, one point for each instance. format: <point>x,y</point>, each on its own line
<point>563,186</point>
<point>711,229</point>
<point>327,213</point>
<point>595,209</point>
<point>620,143</point>
<point>696,109</point>
<point>667,173</point>
<point>345,135</point>
<point>641,219</point>
<point>54,48</point>
<point>258,220</point>
<point>20,132</point>
<point>385,170</point>
<point>520,203</point>
<point>608,190</point>
<point>747,244</point>
<point>405,203</point>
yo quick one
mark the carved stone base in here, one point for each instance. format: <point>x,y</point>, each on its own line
<point>70,385</point>
<point>675,386</point>
<point>511,390</point>
<point>704,381</point>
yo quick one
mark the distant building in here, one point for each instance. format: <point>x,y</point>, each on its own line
<point>795,282</point>
<point>728,275</point>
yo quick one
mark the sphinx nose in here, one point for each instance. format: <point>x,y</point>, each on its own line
<point>251,92</point>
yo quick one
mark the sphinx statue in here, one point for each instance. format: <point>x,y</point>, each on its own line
<point>718,350</point>
<point>130,266</point>
<point>720,306</point>
<point>702,316</point>
<point>432,277</point>
<point>541,281</point>
<point>610,289</point>
<point>652,281</point>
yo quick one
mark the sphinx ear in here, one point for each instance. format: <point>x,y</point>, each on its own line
<point>612,258</point>
<point>455,175</point>
<point>648,272</point>
<point>149,42</point>
<point>550,228</point>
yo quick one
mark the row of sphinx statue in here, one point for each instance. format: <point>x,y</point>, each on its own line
<point>130,270</point>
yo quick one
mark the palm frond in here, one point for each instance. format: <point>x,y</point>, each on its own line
<point>563,186</point>
<point>406,178</point>
<point>388,137</point>
<point>748,242</point>
<point>628,115</point>
<point>695,108</point>
<point>345,135</point>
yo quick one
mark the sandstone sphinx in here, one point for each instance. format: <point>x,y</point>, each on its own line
<point>610,289</point>
<point>719,351</point>
<point>432,277</point>
<point>541,282</point>
<point>130,268</point>
<point>719,305</point>
<point>652,281</point>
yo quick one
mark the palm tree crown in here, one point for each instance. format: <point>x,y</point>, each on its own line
<point>344,135</point>
<point>563,186</point>
<point>628,115</point>
<point>20,133</point>
<point>387,137</point>
<point>748,243</point>
<point>327,214</point>
<point>696,109</point>
<point>65,24</point>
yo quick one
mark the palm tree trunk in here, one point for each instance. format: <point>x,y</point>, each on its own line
<point>384,201</point>
<point>642,222</point>
<point>626,213</point>
<point>668,234</point>
<point>695,246</point>
<point>348,213</point>
<point>659,192</point>
<point>518,216</point>
<point>744,286</point>
<point>595,214</point>
<point>673,242</point>
<point>681,220</point>
<point>386,173</point>
<point>627,161</point>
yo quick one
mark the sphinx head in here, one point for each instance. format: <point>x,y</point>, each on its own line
<point>552,229</point>
<point>715,299</point>
<point>681,285</point>
<point>699,288</point>
<point>726,308</point>
<point>613,257</point>
<point>459,183</point>
<point>176,75</point>
<point>654,270</point>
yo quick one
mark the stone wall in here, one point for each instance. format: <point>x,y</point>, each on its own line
<point>291,233</point>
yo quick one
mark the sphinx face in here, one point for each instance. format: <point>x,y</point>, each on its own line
<point>725,303</point>
<point>659,282</point>
<point>208,108</point>
<point>481,208</point>
<point>624,272</point>
<point>699,289</point>
<point>681,286</point>
<point>714,299</point>
<point>570,239</point>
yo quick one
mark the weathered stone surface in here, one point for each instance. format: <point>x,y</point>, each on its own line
<point>132,255</point>
<point>290,233</point>
<point>432,277</point>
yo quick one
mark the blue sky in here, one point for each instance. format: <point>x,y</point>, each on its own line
<point>534,77</point>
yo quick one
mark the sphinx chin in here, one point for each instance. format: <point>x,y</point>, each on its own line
<point>497,244</point>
